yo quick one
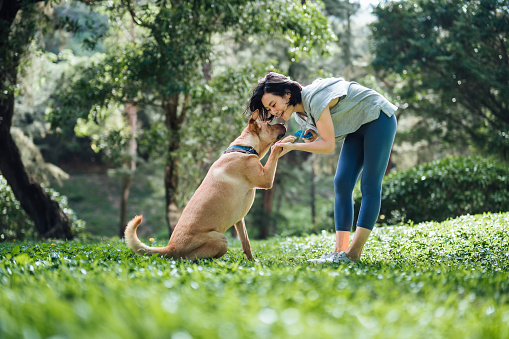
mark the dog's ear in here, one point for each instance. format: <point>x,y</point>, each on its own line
<point>255,115</point>
<point>253,125</point>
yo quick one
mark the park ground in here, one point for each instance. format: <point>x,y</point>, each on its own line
<point>435,280</point>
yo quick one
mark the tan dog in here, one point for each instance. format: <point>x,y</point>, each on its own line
<point>222,200</point>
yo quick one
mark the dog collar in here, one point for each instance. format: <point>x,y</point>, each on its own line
<point>241,149</point>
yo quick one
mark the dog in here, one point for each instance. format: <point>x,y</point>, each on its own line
<point>223,198</point>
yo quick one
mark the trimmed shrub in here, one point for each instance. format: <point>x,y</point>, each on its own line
<point>443,189</point>
<point>16,224</point>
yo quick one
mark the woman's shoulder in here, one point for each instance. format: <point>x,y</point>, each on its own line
<point>322,84</point>
<point>324,89</point>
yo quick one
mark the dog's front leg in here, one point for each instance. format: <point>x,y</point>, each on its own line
<point>240,227</point>
<point>264,176</point>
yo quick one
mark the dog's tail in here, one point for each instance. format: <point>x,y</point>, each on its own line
<point>135,244</point>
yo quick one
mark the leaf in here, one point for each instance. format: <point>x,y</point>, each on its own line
<point>15,250</point>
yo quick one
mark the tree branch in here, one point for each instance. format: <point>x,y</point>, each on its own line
<point>128,4</point>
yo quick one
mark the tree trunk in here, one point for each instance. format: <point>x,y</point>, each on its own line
<point>49,219</point>
<point>268,197</point>
<point>390,165</point>
<point>127,180</point>
<point>348,44</point>
<point>278,211</point>
<point>171,168</point>
<point>131,115</point>
<point>130,165</point>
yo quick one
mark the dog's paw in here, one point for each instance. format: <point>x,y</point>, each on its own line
<point>289,138</point>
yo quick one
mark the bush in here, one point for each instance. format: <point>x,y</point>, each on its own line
<point>444,189</point>
<point>16,224</point>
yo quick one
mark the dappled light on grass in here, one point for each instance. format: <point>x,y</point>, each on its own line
<point>476,242</point>
<point>430,280</point>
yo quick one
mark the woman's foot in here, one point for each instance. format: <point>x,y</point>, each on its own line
<point>339,257</point>
<point>352,256</point>
<point>322,259</point>
<point>332,257</point>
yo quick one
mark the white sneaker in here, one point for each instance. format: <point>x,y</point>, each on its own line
<point>322,259</point>
<point>338,258</point>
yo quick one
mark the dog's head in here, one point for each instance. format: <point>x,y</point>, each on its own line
<point>263,133</point>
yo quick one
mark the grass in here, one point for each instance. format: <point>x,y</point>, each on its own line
<point>436,280</point>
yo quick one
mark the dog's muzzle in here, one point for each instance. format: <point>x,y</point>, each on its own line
<point>283,132</point>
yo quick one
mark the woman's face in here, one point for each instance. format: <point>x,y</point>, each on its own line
<point>277,105</point>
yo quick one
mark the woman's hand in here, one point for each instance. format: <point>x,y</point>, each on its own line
<point>313,138</point>
<point>325,129</point>
<point>283,146</point>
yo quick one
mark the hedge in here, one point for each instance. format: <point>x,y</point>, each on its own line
<point>443,189</point>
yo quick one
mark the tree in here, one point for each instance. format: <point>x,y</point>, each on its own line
<point>113,135</point>
<point>341,12</point>
<point>18,22</point>
<point>452,58</point>
<point>176,39</point>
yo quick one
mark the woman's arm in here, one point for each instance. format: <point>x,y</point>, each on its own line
<point>326,144</point>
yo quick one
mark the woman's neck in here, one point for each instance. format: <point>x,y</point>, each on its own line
<point>299,108</point>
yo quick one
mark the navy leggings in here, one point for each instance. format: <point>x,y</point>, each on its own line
<point>366,150</point>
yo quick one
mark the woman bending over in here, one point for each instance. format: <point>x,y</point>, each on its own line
<point>333,109</point>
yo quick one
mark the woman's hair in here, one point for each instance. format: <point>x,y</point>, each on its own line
<point>276,84</point>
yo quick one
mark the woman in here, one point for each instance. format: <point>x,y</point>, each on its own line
<point>332,109</point>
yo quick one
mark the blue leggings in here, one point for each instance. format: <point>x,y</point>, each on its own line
<point>366,150</point>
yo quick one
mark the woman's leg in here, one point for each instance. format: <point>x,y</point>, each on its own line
<point>347,173</point>
<point>354,251</point>
<point>378,140</point>
<point>342,241</point>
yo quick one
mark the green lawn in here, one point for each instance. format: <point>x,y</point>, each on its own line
<point>432,280</point>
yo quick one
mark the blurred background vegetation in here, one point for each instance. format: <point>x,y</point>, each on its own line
<point>122,106</point>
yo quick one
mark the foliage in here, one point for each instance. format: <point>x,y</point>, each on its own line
<point>109,134</point>
<point>74,17</point>
<point>15,224</point>
<point>163,65</point>
<point>38,81</point>
<point>444,189</point>
<point>453,58</point>
<point>172,43</point>
<point>432,280</point>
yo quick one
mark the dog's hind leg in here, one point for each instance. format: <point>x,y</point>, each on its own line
<point>215,245</point>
